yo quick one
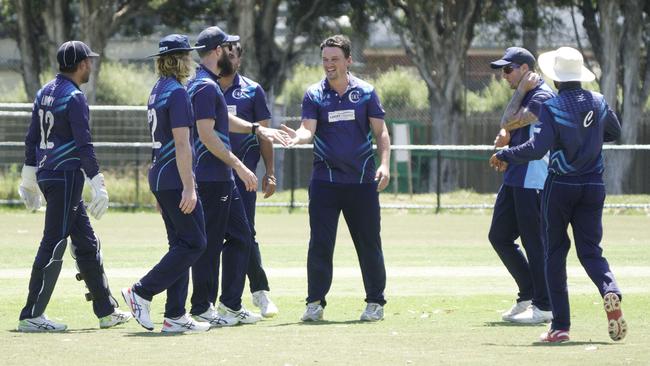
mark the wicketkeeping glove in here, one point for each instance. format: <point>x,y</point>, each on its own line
<point>28,188</point>
<point>99,203</point>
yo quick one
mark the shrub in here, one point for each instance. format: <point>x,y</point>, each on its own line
<point>294,88</point>
<point>124,84</point>
<point>401,87</point>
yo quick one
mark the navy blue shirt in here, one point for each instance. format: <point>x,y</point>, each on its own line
<point>574,126</point>
<point>530,174</point>
<point>209,103</point>
<point>343,139</point>
<point>59,133</point>
<point>246,99</point>
<point>169,107</point>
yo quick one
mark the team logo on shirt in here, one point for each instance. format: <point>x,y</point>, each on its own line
<point>354,96</point>
<point>238,94</point>
<point>589,119</point>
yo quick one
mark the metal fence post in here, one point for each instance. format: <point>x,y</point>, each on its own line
<point>137,177</point>
<point>292,167</point>
<point>438,179</point>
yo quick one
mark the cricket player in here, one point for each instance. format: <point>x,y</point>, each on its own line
<point>517,207</point>
<point>58,155</point>
<point>219,195</point>
<point>573,127</point>
<point>246,99</point>
<point>171,180</point>
<point>340,114</point>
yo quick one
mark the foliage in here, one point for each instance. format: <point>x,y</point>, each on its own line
<point>401,87</point>
<point>494,96</point>
<point>124,84</point>
<point>294,88</point>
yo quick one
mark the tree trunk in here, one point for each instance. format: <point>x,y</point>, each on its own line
<point>28,45</point>
<point>444,132</point>
<point>54,17</point>
<point>245,10</point>
<point>610,32</point>
<point>530,23</point>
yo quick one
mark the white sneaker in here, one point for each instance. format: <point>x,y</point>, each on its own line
<point>117,317</point>
<point>139,308</point>
<point>241,316</point>
<point>184,324</point>
<point>212,316</point>
<point>533,315</point>
<point>40,324</point>
<point>373,312</point>
<point>517,308</point>
<point>262,300</point>
<point>313,313</point>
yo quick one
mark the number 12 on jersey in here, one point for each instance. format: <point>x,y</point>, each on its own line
<point>153,123</point>
<point>46,120</point>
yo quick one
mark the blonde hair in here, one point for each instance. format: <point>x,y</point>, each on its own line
<point>177,65</point>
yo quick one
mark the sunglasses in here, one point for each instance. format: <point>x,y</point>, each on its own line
<point>231,45</point>
<point>509,68</point>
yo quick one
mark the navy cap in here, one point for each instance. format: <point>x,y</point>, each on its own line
<point>514,55</point>
<point>213,36</point>
<point>71,53</point>
<point>174,43</point>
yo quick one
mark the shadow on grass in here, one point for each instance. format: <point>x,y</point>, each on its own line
<point>323,322</point>
<point>511,324</point>
<point>546,344</point>
<point>67,331</point>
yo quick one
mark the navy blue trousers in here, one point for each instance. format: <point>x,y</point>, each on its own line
<point>360,206</point>
<point>186,237</point>
<point>517,215</point>
<point>256,275</point>
<point>65,216</point>
<point>577,201</point>
<point>223,209</point>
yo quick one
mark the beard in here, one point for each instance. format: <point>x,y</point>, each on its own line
<point>226,67</point>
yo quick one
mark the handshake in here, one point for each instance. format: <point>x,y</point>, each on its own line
<point>30,193</point>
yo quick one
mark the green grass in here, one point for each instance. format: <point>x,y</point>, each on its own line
<point>439,311</point>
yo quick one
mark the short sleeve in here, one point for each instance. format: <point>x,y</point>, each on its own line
<point>375,109</point>
<point>204,102</point>
<point>261,110</point>
<point>536,101</point>
<point>309,107</point>
<point>180,109</point>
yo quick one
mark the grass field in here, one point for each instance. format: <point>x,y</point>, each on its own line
<point>446,290</point>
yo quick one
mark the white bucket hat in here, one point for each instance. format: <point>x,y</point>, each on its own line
<point>564,64</point>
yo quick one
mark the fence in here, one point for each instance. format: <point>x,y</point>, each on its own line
<point>291,172</point>
<point>127,158</point>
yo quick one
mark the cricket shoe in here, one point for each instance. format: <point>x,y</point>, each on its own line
<point>212,317</point>
<point>555,336</point>
<point>184,324</point>
<point>517,308</point>
<point>313,313</point>
<point>139,307</point>
<point>262,300</point>
<point>40,324</point>
<point>374,312</point>
<point>240,316</point>
<point>116,318</point>
<point>533,315</point>
<point>617,326</point>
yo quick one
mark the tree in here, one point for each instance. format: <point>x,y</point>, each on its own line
<point>100,20</point>
<point>436,36</point>
<point>267,59</point>
<point>619,33</point>
<point>28,43</point>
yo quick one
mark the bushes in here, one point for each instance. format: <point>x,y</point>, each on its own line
<point>400,88</point>
<point>124,84</point>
